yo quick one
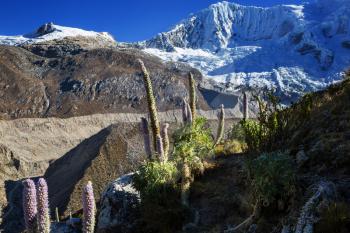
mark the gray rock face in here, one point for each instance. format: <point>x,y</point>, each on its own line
<point>45,29</point>
<point>68,46</point>
<point>301,157</point>
<point>119,206</point>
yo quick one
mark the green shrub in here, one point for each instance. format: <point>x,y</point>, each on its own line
<point>230,147</point>
<point>236,132</point>
<point>253,133</point>
<point>152,177</point>
<point>234,147</point>
<point>272,177</point>
<point>193,141</point>
<point>160,208</point>
<point>270,127</point>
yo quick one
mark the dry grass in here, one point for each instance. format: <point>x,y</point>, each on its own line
<point>230,147</point>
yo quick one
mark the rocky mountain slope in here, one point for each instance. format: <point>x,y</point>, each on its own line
<point>294,49</point>
<point>66,81</point>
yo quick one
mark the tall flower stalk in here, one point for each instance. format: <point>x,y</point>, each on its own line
<point>189,114</point>
<point>146,137</point>
<point>29,205</point>
<point>152,108</point>
<point>57,215</point>
<point>193,97</point>
<point>43,207</point>
<point>89,208</point>
<point>166,142</point>
<point>160,149</point>
<point>185,182</point>
<point>184,111</point>
<point>245,106</point>
<point>221,126</point>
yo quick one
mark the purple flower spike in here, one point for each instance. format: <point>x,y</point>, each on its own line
<point>89,208</point>
<point>29,204</point>
<point>43,207</point>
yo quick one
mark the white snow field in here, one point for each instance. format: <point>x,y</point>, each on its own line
<point>51,31</point>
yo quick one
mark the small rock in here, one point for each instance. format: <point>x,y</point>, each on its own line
<point>301,157</point>
<point>252,228</point>
<point>286,229</point>
<point>74,222</point>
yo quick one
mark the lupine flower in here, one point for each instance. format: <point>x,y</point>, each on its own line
<point>43,207</point>
<point>29,205</point>
<point>89,208</point>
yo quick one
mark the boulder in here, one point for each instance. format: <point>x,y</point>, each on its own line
<point>119,206</point>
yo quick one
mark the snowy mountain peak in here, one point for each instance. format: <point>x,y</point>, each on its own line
<point>45,29</point>
<point>291,48</point>
<point>220,25</point>
<point>50,31</point>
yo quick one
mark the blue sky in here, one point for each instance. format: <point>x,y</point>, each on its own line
<point>126,20</point>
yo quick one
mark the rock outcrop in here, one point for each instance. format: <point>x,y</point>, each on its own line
<point>119,207</point>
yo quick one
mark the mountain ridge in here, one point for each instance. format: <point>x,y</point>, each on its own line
<point>50,31</point>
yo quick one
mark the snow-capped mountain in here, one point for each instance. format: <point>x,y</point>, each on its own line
<point>293,49</point>
<point>50,31</point>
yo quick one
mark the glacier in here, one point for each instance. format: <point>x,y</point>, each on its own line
<point>293,49</point>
